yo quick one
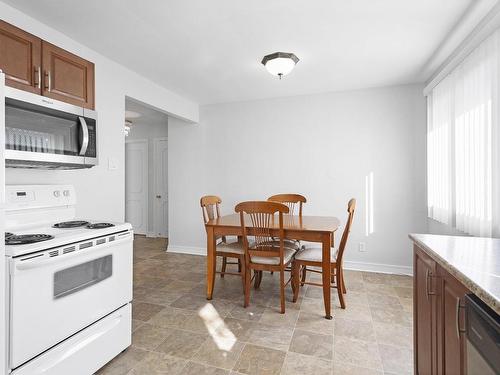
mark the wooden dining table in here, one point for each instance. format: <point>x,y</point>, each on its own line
<point>308,228</point>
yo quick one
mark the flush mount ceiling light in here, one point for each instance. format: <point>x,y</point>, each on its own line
<point>280,63</point>
<point>128,125</point>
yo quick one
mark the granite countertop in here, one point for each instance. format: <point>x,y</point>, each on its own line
<point>474,261</point>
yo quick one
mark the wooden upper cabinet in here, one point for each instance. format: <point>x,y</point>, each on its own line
<point>20,58</point>
<point>67,77</point>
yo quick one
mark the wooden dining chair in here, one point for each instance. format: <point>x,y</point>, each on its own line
<point>312,257</point>
<point>210,209</point>
<point>262,253</point>
<point>292,201</point>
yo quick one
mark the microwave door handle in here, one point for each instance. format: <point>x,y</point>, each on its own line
<point>85,141</point>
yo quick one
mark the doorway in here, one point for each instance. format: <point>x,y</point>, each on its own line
<point>146,169</point>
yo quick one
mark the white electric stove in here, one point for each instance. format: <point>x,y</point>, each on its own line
<point>69,284</point>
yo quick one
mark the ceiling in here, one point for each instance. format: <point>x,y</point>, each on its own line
<point>210,51</point>
<point>148,115</point>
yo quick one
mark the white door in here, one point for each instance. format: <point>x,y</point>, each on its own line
<point>160,205</point>
<point>136,185</point>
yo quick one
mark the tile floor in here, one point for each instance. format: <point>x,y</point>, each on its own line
<point>177,331</point>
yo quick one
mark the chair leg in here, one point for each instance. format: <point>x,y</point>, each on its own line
<point>282,290</point>
<point>344,290</point>
<point>339,288</point>
<point>295,280</point>
<point>241,261</point>
<point>303,277</point>
<point>247,287</point>
<point>224,263</point>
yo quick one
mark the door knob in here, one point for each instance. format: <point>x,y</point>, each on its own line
<point>158,196</point>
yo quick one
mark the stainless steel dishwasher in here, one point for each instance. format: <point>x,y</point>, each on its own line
<point>483,338</point>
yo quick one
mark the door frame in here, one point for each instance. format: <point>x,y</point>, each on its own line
<point>146,142</point>
<point>156,164</point>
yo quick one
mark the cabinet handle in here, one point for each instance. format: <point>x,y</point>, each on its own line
<point>459,306</point>
<point>427,276</point>
<point>38,77</point>
<point>47,85</point>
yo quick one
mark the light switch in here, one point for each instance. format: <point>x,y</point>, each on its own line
<point>112,163</point>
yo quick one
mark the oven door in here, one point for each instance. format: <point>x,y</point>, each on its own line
<point>44,133</point>
<point>56,293</point>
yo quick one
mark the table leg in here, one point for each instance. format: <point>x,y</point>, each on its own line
<point>326,273</point>
<point>211,261</point>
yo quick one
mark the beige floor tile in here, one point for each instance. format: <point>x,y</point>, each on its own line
<point>271,336</point>
<point>124,362</point>
<point>272,316</point>
<point>355,312</point>
<point>144,311</point>
<point>382,300</point>
<point>148,337</point>
<point>313,344</point>
<point>376,278</point>
<point>396,360</point>
<point>219,354</point>
<point>171,313</point>
<point>299,364</point>
<point>404,292</point>
<point>258,360</point>
<point>356,329</point>
<point>252,312</point>
<point>159,364</point>
<point>171,317</point>
<point>340,368</point>
<point>183,344</point>
<point>394,334</point>
<point>193,368</point>
<point>357,353</point>
<point>391,315</point>
<point>315,322</point>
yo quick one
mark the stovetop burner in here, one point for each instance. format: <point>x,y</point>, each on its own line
<point>24,239</point>
<point>100,225</point>
<point>70,224</point>
<point>8,234</point>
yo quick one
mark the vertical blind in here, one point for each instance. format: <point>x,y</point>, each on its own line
<point>462,144</point>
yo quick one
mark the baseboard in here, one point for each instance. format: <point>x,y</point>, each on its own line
<point>187,250</point>
<point>378,267</point>
<point>348,265</point>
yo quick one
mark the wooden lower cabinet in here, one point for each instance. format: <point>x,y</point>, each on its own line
<point>439,320</point>
<point>451,324</point>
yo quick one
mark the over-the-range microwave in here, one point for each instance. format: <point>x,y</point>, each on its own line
<point>44,133</point>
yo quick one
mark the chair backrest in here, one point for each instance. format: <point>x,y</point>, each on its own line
<point>262,216</point>
<point>351,207</point>
<point>210,209</point>
<point>289,200</point>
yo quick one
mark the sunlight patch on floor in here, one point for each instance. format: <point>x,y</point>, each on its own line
<point>220,333</point>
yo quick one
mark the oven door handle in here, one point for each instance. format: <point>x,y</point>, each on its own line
<point>85,138</point>
<point>36,262</point>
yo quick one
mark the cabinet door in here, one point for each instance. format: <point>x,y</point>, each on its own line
<point>424,314</point>
<point>451,321</point>
<point>67,77</point>
<point>20,58</point>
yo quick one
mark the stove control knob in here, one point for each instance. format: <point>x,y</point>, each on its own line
<point>57,193</point>
<point>66,193</point>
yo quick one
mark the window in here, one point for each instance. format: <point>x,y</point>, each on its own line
<point>462,144</point>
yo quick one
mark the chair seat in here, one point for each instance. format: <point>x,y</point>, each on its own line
<point>232,247</point>
<point>287,256</point>
<point>315,254</point>
<point>290,244</point>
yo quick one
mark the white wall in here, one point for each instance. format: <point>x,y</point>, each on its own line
<point>149,131</point>
<point>100,191</point>
<point>321,146</point>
